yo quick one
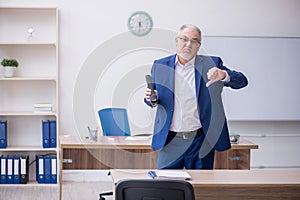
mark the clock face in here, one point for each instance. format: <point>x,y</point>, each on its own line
<point>140,23</point>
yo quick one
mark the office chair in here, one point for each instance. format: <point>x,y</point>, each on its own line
<point>148,189</point>
<point>114,122</point>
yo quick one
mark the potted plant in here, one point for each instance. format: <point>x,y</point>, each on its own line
<point>9,66</point>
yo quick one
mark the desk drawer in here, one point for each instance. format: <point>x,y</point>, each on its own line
<point>109,158</point>
<point>232,159</point>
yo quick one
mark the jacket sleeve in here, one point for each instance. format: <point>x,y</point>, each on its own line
<point>237,79</point>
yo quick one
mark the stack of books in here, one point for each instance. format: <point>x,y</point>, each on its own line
<point>42,107</point>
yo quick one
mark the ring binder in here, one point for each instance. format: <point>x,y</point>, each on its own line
<point>3,170</point>
<point>3,134</point>
<point>40,169</point>
<point>9,170</point>
<point>16,179</point>
<point>24,169</point>
<point>46,133</point>
<point>52,133</point>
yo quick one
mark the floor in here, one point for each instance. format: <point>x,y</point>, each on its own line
<point>71,191</point>
<point>86,190</point>
<point>77,185</point>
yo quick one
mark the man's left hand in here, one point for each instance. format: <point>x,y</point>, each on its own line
<point>215,74</point>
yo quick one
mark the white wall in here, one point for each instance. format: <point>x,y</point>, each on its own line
<point>86,25</point>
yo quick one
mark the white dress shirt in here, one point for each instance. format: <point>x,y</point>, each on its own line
<point>185,116</point>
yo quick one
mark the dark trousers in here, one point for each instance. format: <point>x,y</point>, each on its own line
<point>179,153</point>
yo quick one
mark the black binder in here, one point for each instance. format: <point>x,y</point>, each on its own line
<point>24,169</point>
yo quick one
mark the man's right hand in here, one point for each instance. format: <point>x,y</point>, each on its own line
<point>148,94</point>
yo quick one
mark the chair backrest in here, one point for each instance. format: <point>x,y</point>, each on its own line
<point>149,189</point>
<point>114,122</point>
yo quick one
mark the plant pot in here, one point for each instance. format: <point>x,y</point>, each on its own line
<point>9,72</point>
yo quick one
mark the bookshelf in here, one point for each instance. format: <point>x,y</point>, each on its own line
<point>35,81</point>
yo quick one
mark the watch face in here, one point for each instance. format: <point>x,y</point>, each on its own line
<point>140,23</point>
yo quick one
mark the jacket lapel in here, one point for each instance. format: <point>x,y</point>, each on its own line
<point>171,76</point>
<point>198,74</point>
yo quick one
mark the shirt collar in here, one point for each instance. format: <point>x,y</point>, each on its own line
<point>190,63</point>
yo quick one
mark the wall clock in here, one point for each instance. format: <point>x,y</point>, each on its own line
<point>140,23</point>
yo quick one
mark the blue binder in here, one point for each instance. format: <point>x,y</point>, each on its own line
<point>9,170</point>
<point>16,170</point>
<point>3,134</point>
<point>53,169</point>
<point>47,169</point>
<point>46,133</point>
<point>40,176</point>
<point>52,133</point>
<point>3,169</point>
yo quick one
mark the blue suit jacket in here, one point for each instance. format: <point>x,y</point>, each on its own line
<point>210,105</point>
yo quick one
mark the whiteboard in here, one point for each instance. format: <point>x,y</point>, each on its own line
<point>272,68</point>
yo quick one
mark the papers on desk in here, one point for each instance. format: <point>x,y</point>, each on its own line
<point>169,174</point>
<point>138,137</point>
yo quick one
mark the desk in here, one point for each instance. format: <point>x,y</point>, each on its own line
<point>136,153</point>
<point>233,184</point>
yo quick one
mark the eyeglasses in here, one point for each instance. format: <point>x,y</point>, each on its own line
<point>185,40</point>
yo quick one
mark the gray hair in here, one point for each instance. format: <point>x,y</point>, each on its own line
<point>190,26</point>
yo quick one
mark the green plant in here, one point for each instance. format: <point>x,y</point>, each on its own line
<point>9,63</point>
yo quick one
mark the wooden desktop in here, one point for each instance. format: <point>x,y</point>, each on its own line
<point>232,184</point>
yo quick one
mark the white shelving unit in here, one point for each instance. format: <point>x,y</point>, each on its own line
<point>35,81</point>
